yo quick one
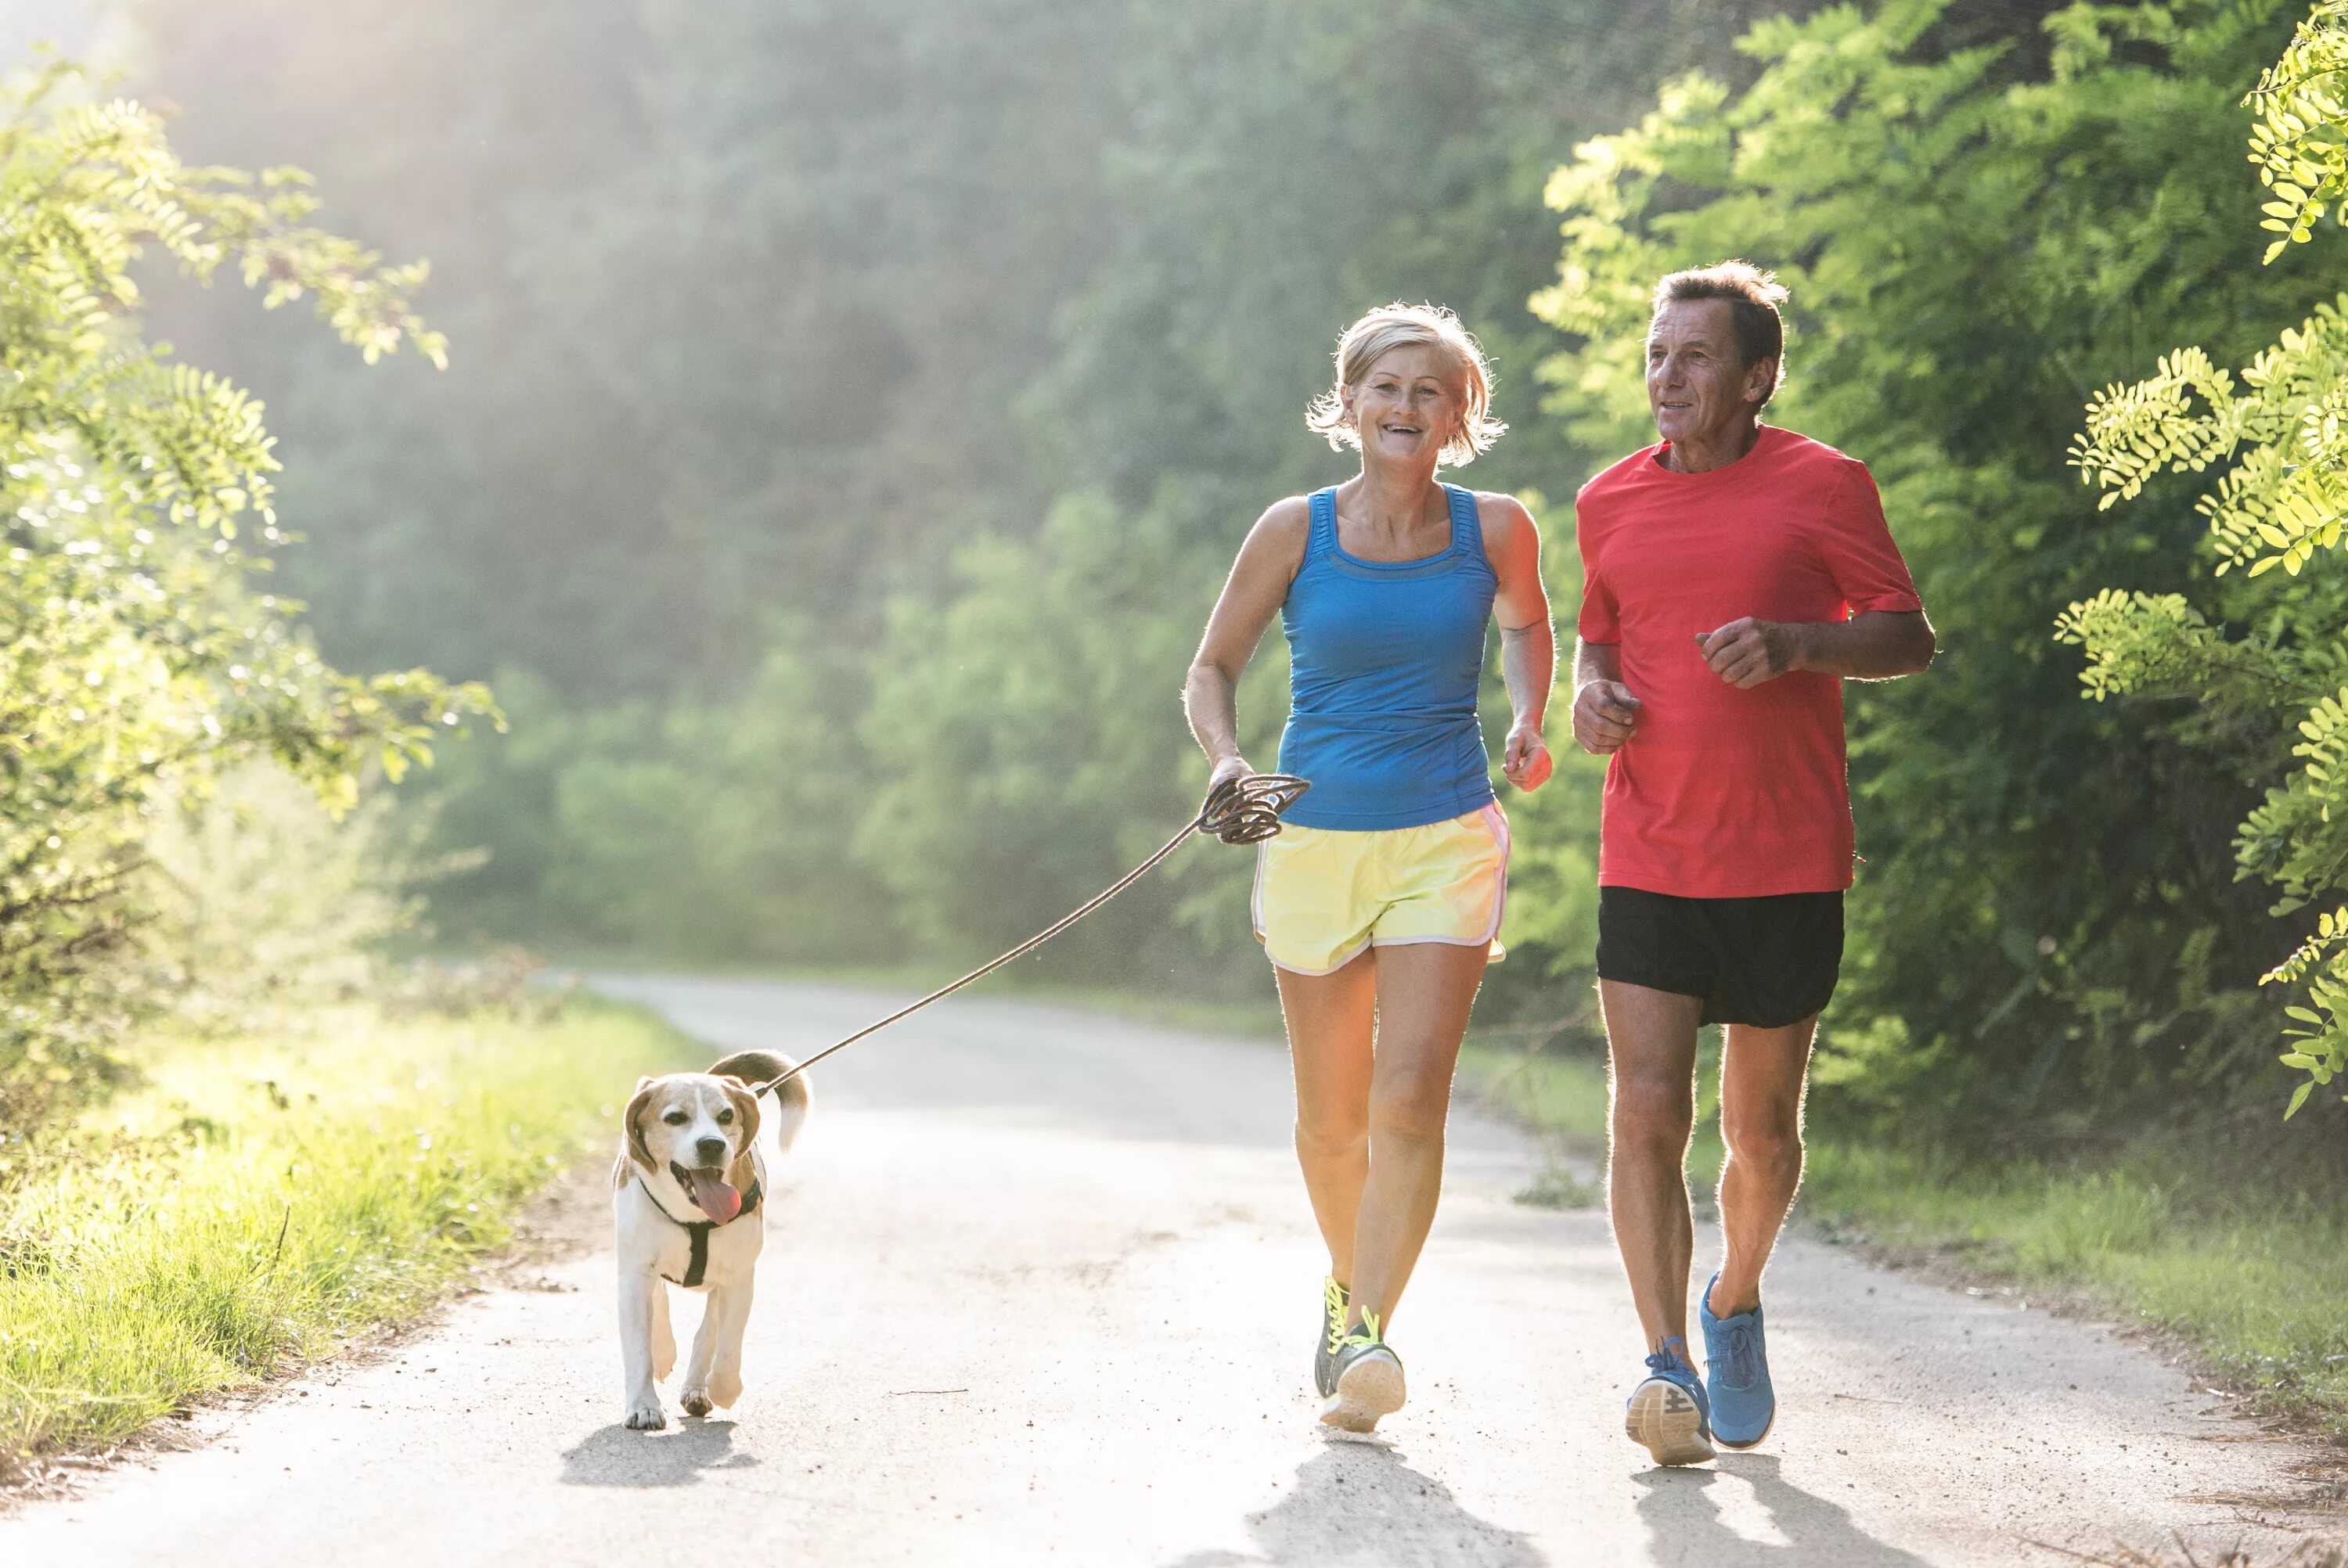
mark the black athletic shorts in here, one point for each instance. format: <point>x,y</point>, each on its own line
<point>1766,962</point>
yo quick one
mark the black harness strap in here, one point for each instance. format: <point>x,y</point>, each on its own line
<point>698,1264</point>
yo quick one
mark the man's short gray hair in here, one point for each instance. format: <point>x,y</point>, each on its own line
<point>1753,297</point>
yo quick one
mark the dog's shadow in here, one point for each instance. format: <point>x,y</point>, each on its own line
<point>615,1456</point>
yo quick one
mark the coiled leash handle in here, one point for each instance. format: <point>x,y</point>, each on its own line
<point>1248,809</point>
<point>1238,811</point>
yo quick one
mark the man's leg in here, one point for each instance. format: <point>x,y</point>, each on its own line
<point>1650,1048</point>
<point>1762,1075</point>
<point>1330,1019</point>
<point>1425,991</point>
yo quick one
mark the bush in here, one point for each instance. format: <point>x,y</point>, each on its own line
<point>140,659</point>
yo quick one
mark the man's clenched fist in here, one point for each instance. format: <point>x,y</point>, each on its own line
<point>1747,651</point>
<point>1605,716</point>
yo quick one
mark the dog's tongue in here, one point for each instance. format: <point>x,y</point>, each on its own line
<point>720,1202</point>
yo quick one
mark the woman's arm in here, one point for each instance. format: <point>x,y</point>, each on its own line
<point>1527,645</point>
<point>1267,562</point>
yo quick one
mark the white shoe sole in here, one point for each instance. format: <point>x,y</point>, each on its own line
<point>1369,1389</point>
<point>1664,1419</point>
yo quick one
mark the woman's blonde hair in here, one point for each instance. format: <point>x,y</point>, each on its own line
<point>1399,326</point>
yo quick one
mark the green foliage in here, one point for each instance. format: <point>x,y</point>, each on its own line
<point>137,657</point>
<point>714,829</point>
<point>1033,742</point>
<point>2299,143</point>
<point>2280,500</point>
<point>1973,224</point>
<point>263,905</point>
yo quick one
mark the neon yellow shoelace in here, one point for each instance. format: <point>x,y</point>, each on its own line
<point>1368,1333</point>
<point>1332,1300</point>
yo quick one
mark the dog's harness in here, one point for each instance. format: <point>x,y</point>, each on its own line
<point>698,1230</point>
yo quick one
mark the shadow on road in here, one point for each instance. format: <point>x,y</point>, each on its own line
<point>614,1456</point>
<point>1684,1523</point>
<point>1356,1503</point>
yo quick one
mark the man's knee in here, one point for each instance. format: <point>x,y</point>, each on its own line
<point>1653,1108</point>
<point>1767,1144</point>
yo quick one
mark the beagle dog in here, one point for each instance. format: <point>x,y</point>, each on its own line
<point>689,1203</point>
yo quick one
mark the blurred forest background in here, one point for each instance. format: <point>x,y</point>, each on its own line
<point>850,412</point>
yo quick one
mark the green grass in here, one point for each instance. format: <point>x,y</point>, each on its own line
<point>259,1199</point>
<point>2255,1284</point>
<point>2253,1279</point>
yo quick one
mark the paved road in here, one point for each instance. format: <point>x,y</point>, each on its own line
<point>1042,1288</point>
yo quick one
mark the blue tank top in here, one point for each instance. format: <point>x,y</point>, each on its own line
<point>1383,661</point>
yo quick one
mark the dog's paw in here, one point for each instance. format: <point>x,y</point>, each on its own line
<point>725,1386</point>
<point>696,1402</point>
<point>645,1416</point>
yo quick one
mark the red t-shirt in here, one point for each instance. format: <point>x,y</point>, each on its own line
<point>1722,793</point>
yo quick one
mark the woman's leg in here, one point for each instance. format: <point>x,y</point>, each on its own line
<point>1425,991</point>
<point>1330,1021</point>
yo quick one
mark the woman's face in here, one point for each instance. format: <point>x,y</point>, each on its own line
<point>1409,404</point>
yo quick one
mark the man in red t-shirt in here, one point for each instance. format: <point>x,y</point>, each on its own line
<point>1733,574</point>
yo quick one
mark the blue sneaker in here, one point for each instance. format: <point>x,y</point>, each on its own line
<point>1736,1375</point>
<point>1668,1411</point>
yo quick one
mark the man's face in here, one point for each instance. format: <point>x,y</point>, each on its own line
<point>1698,385</point>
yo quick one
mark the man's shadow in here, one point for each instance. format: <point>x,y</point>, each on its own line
<point>1684,1523</point>
<point>1356,1503</point>
<point>614,1456</point>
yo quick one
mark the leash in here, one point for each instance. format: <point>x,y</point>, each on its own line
<point>1238,811</point>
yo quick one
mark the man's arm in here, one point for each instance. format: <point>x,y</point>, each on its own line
<point>1605,714</point>
<point>1877,645</point>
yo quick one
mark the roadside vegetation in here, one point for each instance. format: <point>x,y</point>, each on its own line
<point>261,1200</point>
<point>232,1130</point>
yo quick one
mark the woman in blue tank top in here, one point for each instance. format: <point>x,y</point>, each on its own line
<point>1380,902</point>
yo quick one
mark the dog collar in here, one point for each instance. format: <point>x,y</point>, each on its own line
<point>698,1263</point>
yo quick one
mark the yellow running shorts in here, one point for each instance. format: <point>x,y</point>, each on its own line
<point>1322,896</point>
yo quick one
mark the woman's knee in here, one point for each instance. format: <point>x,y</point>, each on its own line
<point>1330,1135</point>
<point>1409,1103</point>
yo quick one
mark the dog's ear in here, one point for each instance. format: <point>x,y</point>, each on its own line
<point>632,1124</point>
<point>745,1106</point>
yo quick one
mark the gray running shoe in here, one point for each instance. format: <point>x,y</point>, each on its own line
<point>1369,1381</point>
<point>1333,1298</point>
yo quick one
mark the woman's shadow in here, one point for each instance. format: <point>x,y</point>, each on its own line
<point>1684,1523</point>
<point>1356,1503</point>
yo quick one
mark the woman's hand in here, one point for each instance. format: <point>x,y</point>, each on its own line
<point>1525,760</point>
<point>1230,768</point>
